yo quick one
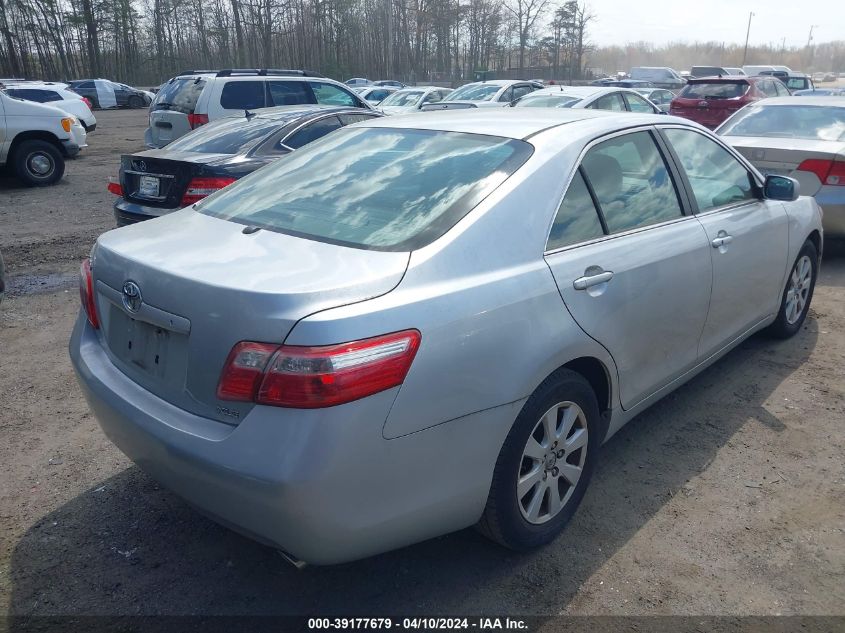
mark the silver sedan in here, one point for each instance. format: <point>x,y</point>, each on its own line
<point>801,137</point>
<point>423,323</point>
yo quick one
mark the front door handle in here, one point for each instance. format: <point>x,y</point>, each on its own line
<point>722,240</point>
<point>588,281</point>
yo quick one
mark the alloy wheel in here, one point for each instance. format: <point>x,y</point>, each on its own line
<point>799,289</point>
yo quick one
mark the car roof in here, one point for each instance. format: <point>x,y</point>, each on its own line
<point>501,82</point>
<point>515,123</point>
<point>575,91</point>
<point>829,100</point>
<point>729,78</point>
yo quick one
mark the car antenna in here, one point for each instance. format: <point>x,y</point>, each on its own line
<point>248,114</point>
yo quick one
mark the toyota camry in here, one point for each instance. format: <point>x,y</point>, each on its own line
<point>423,323</point>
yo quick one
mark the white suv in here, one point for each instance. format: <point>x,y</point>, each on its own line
<point>194,98</point>
<point>56,95</point>
<point>35,139</point>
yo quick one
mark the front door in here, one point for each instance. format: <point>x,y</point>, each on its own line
<point>748,237</point>
<point>632,268</point>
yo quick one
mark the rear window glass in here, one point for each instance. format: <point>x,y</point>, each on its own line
<point>242,95</point>
<point>474,92</point>
<point>375,188</point>
<point>180,95</point>
<point>706,71</point>
<point>824,123</point>
<point>225,136</point>
<point>715,90</point>
<point>403,98</point>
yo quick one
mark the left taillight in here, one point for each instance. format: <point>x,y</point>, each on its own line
<point>200,188</point>
<point>316,377</point>
<point>115,187</point>
<point>195,120</point>
<point>86,293</point>
<point>829,172</point>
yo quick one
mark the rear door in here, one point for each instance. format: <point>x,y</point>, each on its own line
<point>747,236</point>
<point>172,114</point>
<point>632,267</point>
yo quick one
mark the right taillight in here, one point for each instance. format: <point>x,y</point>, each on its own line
<point>115,187</point>
<point>829,172</point>
<point>203,187</point>
<point>86,293</point>
<point>195,120</point>
<point>315,377</point>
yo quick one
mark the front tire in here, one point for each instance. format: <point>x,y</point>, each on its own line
<point>135,102</point>
<point>38,163</point>
<point>795,302</point>
<point>545,464</point>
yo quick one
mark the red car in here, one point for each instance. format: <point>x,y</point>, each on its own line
<point>711,100</point>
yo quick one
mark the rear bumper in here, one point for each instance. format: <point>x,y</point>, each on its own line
<point>323,484</point>
<point>126,213</point>
<point>832,203</point>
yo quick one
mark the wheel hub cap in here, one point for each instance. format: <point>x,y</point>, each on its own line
<point>40,164</point>
<point>552,462</point>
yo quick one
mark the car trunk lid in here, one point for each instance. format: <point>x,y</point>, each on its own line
<point>176,294</point>
<point>151,180</point>
<point>783,156</point>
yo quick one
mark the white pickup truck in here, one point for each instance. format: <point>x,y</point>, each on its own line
<point>35,139</point>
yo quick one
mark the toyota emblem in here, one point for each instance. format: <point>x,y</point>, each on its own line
<point>132,296</point>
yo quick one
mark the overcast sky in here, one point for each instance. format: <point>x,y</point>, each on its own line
<point>661,21</point>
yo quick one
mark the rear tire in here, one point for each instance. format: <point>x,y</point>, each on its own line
<point>135,102</point>
<point>38,163</point>
<point>796,298</point>
<point>554,440</point>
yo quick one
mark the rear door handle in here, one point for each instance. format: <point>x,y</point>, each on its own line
<point>588,281</point>
<point>722,240</point>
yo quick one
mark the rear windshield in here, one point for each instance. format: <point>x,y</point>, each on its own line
<point>715,90</point>
<point>226,136</point>
<point>547,101</point>
<point>180,95</point>
<point>403,98</point>
<point>374,188</point>
<point>824,123</point>
<point>474,92</point>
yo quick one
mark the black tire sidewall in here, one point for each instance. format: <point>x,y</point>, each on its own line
<point>20,161</point>
<point>781,328</point>
<point>135,102</point>
<point>513,530</point>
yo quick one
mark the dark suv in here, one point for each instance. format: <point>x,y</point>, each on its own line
<point>711,100</point>
<point>95,89</point>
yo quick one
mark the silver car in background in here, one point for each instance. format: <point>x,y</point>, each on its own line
<point>800,137</point>
<point>423,323</point>
<point>590,97</point>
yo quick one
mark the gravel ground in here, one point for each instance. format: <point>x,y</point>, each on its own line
<point>728,497</point>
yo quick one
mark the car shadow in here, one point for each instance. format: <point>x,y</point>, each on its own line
<point>129,547</point>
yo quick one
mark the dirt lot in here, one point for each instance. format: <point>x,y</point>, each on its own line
<point>728,497</point>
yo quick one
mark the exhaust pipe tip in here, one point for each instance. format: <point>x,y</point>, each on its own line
<point>299,564</point>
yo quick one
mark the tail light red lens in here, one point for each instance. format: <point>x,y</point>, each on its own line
<point>195,120</point>
<point>199,188</point>
<point>86,293</point>
<point>115,187</point>
<point>316,377</point>
<point>829,172</point>
<point>87,102</point>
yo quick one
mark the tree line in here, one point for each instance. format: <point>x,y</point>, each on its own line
<point>145,41</point>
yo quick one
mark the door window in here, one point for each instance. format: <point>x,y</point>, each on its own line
<point>631,182</point>
<point>284,93</point>
<point>768,88</point>
<point>328,94</point>
<point>781,89</point>
<point>312,132</point>
<point>506,95</point>
<point>637,104</point>
<point>577,219</point>
<point>716,177</point>
<point>242,95</point>
<point>432,97</point>
<point>521,91</point>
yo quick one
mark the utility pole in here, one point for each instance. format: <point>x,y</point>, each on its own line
<point>747,33</point>
<point>810,37</point>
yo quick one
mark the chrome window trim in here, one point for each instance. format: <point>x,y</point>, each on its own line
<point>309,122</point>
<point>146,173</point>
<point>577,164</point>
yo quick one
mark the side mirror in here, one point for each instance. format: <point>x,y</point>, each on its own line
<point>781,188</point>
